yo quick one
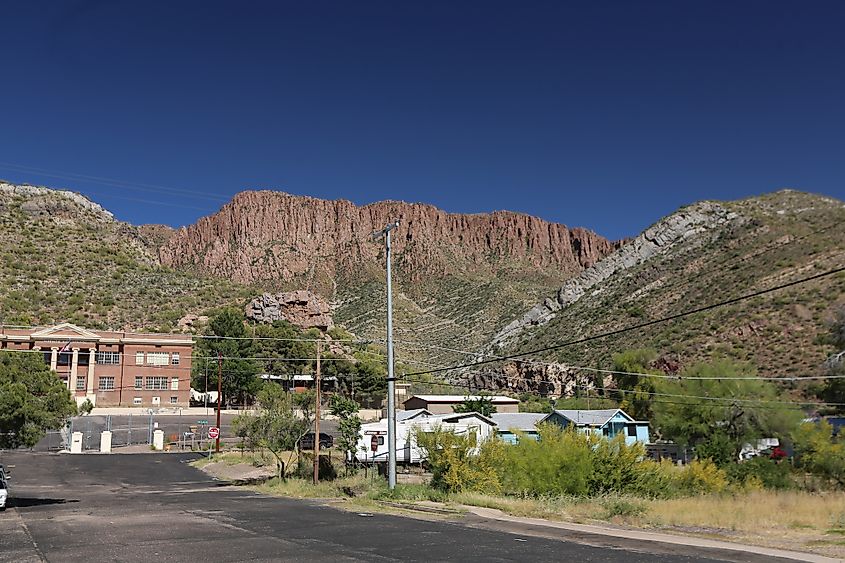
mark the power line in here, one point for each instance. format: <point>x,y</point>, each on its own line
<point>759,403</point>
<point>639,325</point>
<point>677,377</point>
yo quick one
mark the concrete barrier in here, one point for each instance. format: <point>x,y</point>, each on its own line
<point>105,442</point>
<point>76,443</point>
<point>158,440</point>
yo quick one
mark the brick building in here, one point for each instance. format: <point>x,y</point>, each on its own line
<point>112,368</point>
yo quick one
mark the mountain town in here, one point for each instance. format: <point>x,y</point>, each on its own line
<point>422,282</point>
<point>599,391</point>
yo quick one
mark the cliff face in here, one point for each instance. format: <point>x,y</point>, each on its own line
<point>263,235</point>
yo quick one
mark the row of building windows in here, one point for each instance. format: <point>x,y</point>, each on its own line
<point>113,358</point>
<point>156,383</point>
<point>157,358</point>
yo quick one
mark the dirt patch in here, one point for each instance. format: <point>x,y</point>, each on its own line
<point>238,471</point>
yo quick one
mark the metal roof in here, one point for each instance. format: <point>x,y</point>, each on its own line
<point>408,415</point>
<point>495,399</point>
<point>590,417</point>
<point>525,421</point>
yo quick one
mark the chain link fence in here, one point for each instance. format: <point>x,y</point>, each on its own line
<point>180,431</point>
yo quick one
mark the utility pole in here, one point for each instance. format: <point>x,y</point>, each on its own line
<point>219,394</point>
<point>391,380</point>
<point>317,417</point>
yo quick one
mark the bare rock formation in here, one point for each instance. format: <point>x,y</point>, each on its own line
<point>301,308</point>
<point>266,235</point>
<point>545,379</point>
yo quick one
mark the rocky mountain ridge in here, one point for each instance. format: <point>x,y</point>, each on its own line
<point>692,226</point>
<point>266,236</point>
<point>700,255</point>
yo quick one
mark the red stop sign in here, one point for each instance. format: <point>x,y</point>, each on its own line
<point>213,432</point>
<point>374,443</point>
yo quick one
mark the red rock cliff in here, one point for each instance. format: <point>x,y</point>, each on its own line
<point>266,235</point>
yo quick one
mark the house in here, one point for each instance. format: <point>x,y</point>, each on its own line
<point>407,451</point>
<point>509,426</point>
<point>445,404</point>
<point>111,368</point>
<point>606,422</point>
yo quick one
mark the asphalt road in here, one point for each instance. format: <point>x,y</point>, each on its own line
<point>154,507</point>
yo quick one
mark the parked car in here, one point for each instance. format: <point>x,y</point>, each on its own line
<point>307,441</point>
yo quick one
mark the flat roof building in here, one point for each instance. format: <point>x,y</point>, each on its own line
<point>112,368</point>
<point>444,404</point>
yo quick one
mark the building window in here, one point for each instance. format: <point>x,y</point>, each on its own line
<point>174,383</point>
<point>80,383</point>
<point>174,359</point>
<point>108,358</point>
<point>139,358</point>
<point>174,400</point>
<point>632,430</point>
<point>136,401</point>
<point>139,382</point>
<point>156,384</point>
<point>106,384</point>
<point>158,358</point>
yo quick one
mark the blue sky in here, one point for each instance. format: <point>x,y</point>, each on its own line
<point>601,114</point>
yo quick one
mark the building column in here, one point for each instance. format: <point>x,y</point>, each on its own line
<point>92,359</point>
<point>54,357</point>
<point>74,363</point>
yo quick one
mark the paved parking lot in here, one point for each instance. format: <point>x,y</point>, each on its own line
<point>155,507</point>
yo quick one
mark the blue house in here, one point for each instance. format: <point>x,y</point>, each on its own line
<point>605,422</point>
<point>510,425</point>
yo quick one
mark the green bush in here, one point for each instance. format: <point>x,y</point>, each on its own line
<point>771,475</point>
<point>458,464</point>
<point>559,463</point>
<point>700,477</point>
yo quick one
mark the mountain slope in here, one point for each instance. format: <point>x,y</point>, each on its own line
<point>705,253</point>
<point>65,258</point>
<point>456,276</point>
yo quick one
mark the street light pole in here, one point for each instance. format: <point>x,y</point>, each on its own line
<point>391,380</point>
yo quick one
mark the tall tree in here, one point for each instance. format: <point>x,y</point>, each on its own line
<point>719,415</point>
<point>349,425</point>
<point>279,422</point>
<point>33,400</point>
<point>635,391</point>
<point>237,351</point>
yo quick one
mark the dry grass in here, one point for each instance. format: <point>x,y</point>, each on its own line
<point>778,511</point>
<point>793,520</point>
<point>782,519</point>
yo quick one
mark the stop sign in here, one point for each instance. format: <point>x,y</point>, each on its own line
<point>213,432</point>
<point>374,443</point>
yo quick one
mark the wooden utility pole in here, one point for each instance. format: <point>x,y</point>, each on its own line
<point>219,394</point>
<point>317,417</point>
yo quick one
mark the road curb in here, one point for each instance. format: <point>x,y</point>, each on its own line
<point>641,535</point>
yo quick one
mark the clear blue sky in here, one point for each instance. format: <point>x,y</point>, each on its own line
<point>601,114</point>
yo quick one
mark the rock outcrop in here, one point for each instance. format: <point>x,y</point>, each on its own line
<point>552,380</point>
<point>272,236</point>
<point>301,308</point>
<point>47,202</point>
<point>691,225</point>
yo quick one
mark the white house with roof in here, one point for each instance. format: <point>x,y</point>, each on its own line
<point>410,422</point>
<point>604,422</point>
